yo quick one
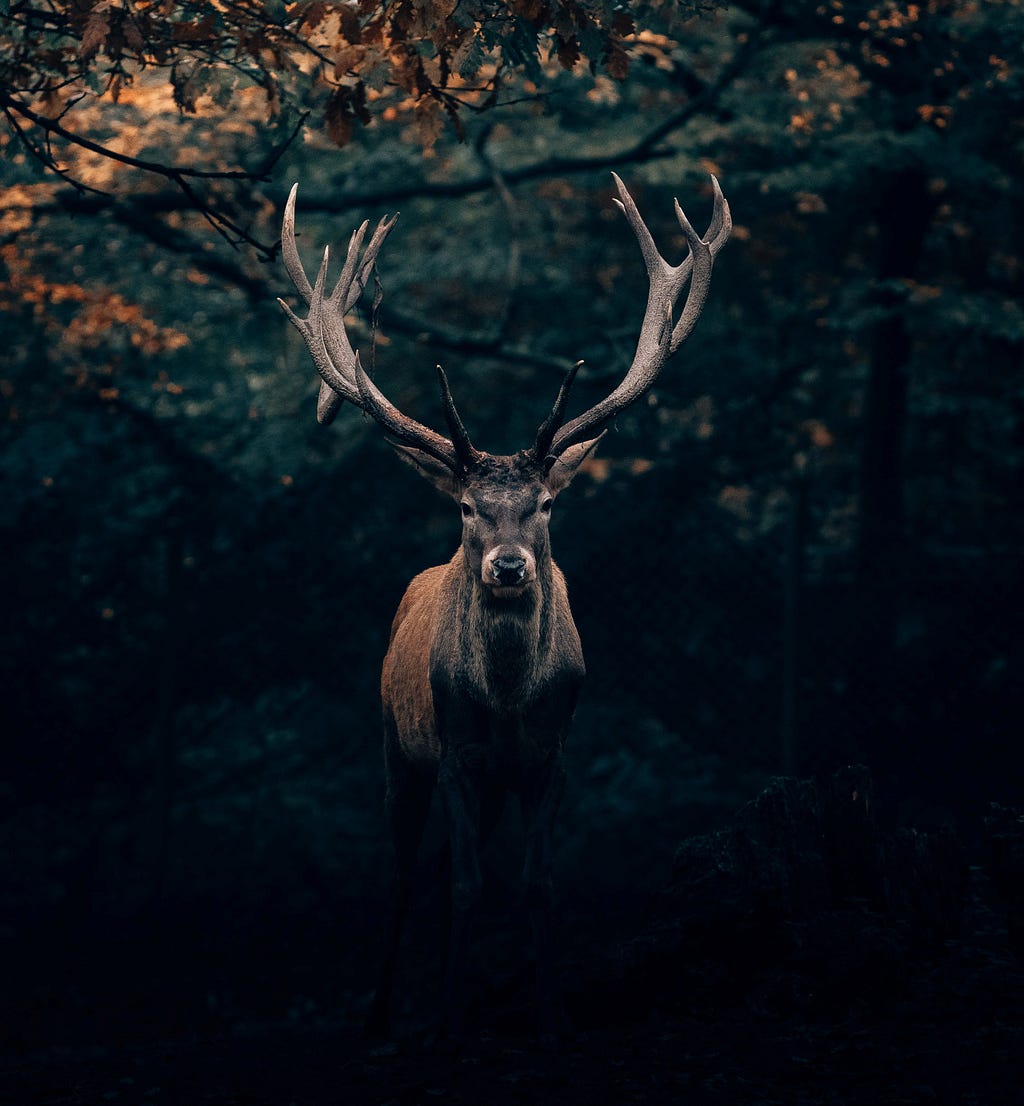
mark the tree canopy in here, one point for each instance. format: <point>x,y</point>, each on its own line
<point>870,151</point>
<point>339,64</point>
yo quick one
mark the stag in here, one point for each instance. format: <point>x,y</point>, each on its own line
<point>484,664</point>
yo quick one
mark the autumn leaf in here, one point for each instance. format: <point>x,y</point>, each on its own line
<point>338,119</point>
<point>313,14</point>
<point>193,32</point>
<point>533,10</point>
<point>622,23</point>
<point>97,27</point>
<point>348,19</point>
<point>568,51</point>
<point>616,61</point>
<point>429,122</point>
<point>132,34</point>
<point>348,60</point>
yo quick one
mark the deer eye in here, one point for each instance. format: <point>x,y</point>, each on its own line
<point>545,507</point>
<point>467,509</point>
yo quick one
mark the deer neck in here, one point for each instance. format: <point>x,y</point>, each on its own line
<point>506,642</point>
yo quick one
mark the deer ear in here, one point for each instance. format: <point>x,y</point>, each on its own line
<point>563,468</point>
<point>437,472</point>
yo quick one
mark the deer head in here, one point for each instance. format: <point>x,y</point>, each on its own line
<point>505,501</point>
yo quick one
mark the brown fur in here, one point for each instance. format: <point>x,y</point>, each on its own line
<point>478,686</point>
<point>503,654</point>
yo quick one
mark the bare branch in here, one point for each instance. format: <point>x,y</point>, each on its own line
<point>174,172</point>
<point>647,148</point>
<point>182,176</point>
<point>458,341</point>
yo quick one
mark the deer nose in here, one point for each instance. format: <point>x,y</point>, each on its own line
<point>509,570</point>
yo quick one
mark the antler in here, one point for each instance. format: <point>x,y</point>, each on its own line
<point>659,338</point>
<point>342,375</point>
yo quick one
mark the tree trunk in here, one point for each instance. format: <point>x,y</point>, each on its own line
<point>903,215</point>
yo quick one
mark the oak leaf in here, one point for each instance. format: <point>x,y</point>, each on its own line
<point>97,27</point>
<point>568,50</point>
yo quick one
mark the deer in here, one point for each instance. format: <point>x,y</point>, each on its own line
<point>484,665</point>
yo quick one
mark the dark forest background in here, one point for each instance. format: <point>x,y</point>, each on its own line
<point>802,551</point>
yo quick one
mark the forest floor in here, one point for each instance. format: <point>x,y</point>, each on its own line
<point>677,993</point>
<point>899,1025</point>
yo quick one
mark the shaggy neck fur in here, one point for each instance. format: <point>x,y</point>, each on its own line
<point>506,642</point>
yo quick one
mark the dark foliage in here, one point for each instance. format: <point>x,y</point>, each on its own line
<point>803,553</point>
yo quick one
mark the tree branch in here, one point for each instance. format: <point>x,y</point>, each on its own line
<point>140,213</point>
<point>173,172</point>
<point>646,148</point>
<point>182,176</point>
<point>479,345</point>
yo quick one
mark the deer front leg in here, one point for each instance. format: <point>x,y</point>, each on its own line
<point>459,782</point>
<point>541,799</point>
<point>408,804</point>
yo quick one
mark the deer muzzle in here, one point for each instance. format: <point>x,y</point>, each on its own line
<point>507,570</point>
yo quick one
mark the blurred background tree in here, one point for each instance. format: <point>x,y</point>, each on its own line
<point>804,549</point>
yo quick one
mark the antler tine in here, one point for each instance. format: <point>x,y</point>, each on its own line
<point>290,252</point>
<point>701,259</point>
<point>331,324</point>
<point>347,290</point>
<point>337,363</point>
<point>334,388</point>
<point>400,427</point>
<point>546,431</point>
<point>311,331</point>
<point>353,288</point>
<point>328,404</point>
<point>721,220</point>
<point>468,455</point>
<point>377,240</point>
<point>652,258</point>
<point>700,262</point>
<point>659,339</point>
<point>343,285</point>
